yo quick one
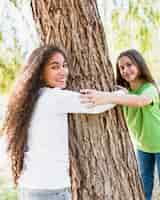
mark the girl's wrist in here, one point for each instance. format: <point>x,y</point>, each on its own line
<point>107,97</point>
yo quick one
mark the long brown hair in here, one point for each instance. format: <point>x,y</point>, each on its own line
<point>21,103</point>
<point>139,61</point>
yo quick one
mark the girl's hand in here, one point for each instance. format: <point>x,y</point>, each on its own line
<point>93,97</point>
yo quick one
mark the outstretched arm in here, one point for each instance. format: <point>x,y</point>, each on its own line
<point>69,102</point>
<point>117,97</point>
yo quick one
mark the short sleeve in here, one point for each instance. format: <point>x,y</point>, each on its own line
<point>152,92</point>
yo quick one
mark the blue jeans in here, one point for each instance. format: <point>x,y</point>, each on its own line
<point>147,162</point>
<point>37,194</point>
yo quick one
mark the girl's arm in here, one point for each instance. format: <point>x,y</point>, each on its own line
<point>99,98</point>
<point>70,102</point>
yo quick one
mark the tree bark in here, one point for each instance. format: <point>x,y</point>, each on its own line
<point>103,164</point>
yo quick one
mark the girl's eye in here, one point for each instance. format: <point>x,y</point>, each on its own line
<point>55,66</point>
<point>65,65</point>
<point>129,64</point>
<point>121,68</point>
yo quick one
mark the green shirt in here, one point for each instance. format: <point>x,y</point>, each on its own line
<point>144,122</point>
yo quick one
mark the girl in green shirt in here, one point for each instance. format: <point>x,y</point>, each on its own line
<point>141,108</point>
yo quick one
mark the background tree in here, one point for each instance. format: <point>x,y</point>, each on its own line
<point>103,161</point>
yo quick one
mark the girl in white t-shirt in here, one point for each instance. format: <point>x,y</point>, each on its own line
<point>37,129</point>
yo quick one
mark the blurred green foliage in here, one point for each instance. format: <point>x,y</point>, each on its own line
<point>7,192</point>
<point>14,2</point>
<point>10,62</point>
<point>136,21</point>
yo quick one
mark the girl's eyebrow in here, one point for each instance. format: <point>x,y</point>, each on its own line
<point>126,64</point>
<point>56,63</point>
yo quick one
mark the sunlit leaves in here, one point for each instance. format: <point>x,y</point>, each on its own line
<point>14,2</point>
<point>10,61</point>
<point>1,38</point>
<point>135,20</point>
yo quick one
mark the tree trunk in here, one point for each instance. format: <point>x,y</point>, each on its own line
<point>103,164</point>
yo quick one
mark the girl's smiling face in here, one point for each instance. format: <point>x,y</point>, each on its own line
<point>128,70</point>
<point>55,71</point>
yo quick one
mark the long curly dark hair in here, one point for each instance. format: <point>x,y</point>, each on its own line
<point>21,103</point>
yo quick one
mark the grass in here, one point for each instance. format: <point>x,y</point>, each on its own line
<point>7,191</point>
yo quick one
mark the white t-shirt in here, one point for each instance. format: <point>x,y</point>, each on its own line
<point>46,161</point>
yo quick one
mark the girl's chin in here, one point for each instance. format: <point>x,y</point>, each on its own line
<point>129,79</point>
<point>61,85</point>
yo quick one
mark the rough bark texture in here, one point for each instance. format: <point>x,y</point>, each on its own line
<point>103,164</point>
